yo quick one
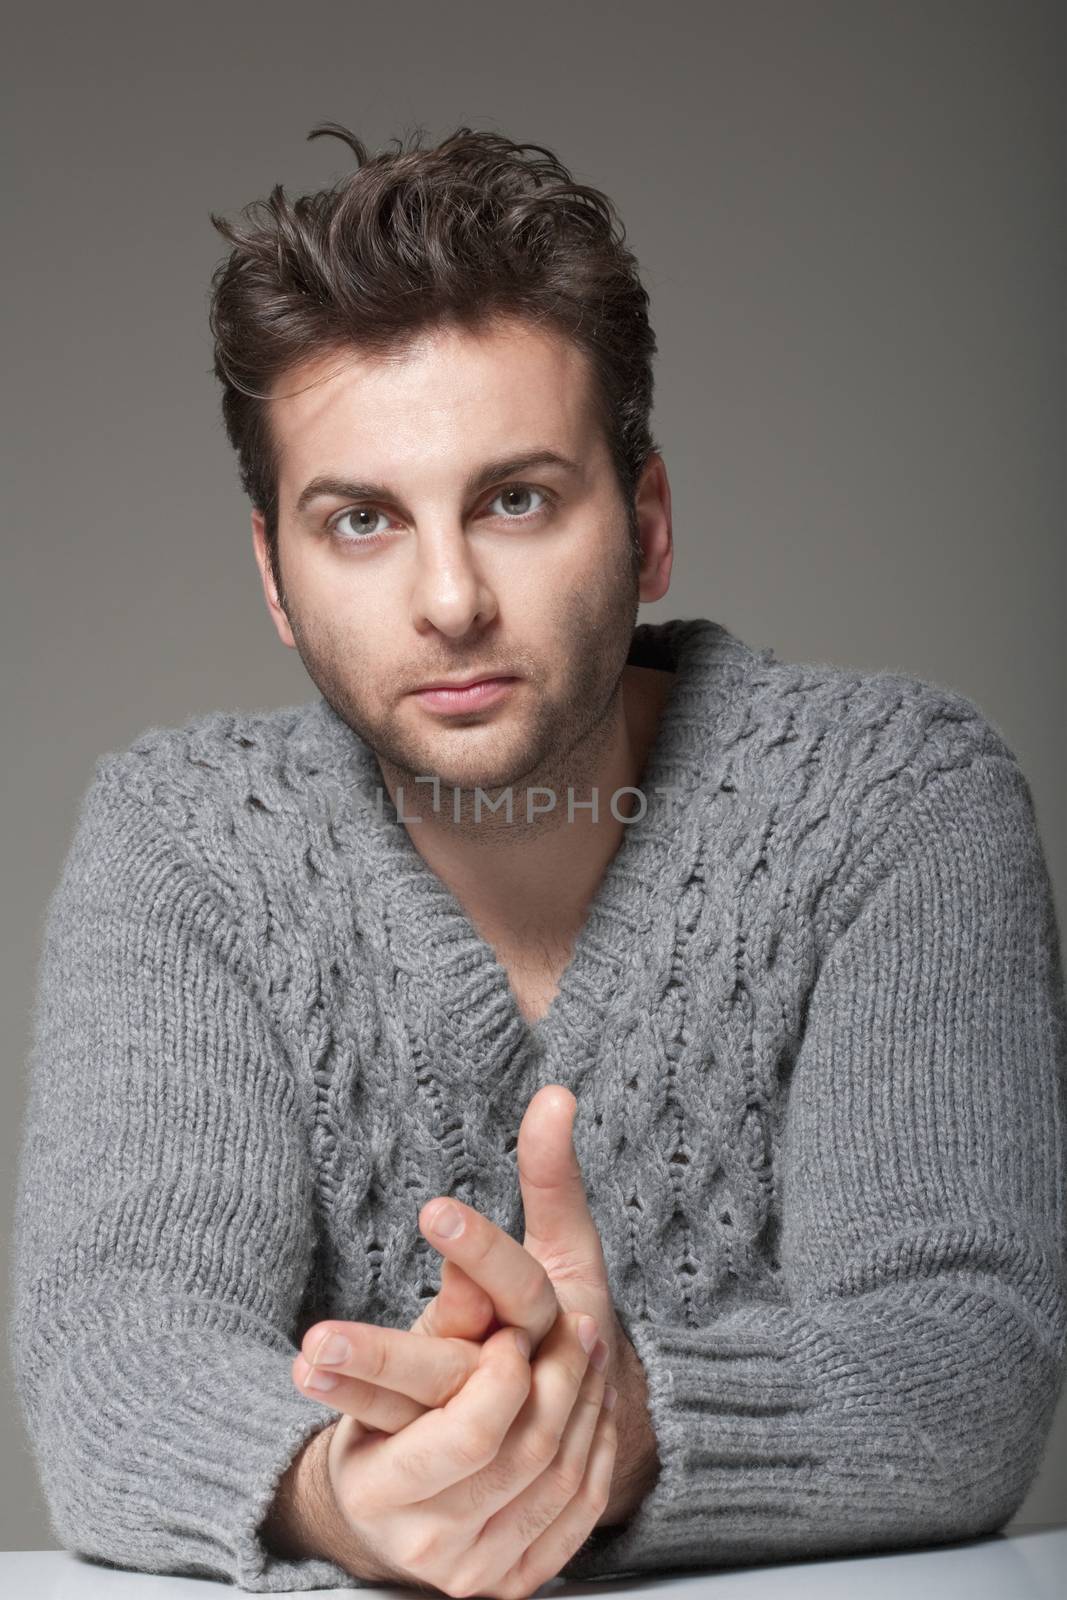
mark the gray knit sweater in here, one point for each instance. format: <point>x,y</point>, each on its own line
<point>816,1027</point>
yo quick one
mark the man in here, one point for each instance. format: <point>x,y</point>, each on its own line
<point>722,997</point>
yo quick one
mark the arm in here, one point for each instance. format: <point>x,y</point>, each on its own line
<point>164,1219</point>
<point>903,1389</point>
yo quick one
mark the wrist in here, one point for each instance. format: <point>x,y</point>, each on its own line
<point>286,1529</point>
<point>305,1521</point>
<point>637,1461</point>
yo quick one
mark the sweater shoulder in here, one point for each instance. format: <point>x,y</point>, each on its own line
<point>219,783</point>
<point>874,737</point>
<point>839,759</point>
<point>882,718</point>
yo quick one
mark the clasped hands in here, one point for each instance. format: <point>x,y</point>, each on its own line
<point>461,1459</point>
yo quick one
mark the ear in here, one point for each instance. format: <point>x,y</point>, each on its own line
<point>274,606</point>
<point>652,504</point>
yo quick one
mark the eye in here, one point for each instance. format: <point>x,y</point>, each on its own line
<point>366,533</point>
<point>523,491</point>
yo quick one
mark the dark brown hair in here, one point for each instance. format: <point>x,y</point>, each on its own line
<point>467,232</point>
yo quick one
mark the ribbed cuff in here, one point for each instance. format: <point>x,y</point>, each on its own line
<point>774,1442</point>
<point>161,1449</point>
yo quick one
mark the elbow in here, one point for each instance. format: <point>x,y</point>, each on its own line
<point>993,1449</point>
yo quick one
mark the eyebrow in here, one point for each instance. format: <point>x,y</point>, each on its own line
<point>328,485</point>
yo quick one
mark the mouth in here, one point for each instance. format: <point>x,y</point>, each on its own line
<point>469,696</point>
<point>461,683</point>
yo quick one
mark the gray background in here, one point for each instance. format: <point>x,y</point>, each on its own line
<point>851,220</point>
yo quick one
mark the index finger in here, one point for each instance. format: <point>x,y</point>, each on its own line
<point>515,1281</point>
<point>420,1366</point>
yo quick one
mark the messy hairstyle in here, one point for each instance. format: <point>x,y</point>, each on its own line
<point>475,229</point>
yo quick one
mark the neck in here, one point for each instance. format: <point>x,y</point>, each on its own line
<point>532,880</point>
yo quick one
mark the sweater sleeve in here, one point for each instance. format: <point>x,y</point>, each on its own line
<point>902,1390</point>
<point>163,1221</point>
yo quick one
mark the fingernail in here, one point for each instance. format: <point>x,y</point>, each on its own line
<point>335,1347</point>
<point>610,1397</point>
<point>522,1339</point>
<point>587,1333</point>
<point>599,1358</point>
<point>321,1380</point>
<point>447,1223</point>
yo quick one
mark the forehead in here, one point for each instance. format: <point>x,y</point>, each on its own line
<point>461,393</point>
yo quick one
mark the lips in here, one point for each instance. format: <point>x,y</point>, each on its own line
<point>481,694</point>
<point>482,677</point>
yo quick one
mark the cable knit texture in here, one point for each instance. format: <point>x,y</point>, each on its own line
<point>816,1028</point>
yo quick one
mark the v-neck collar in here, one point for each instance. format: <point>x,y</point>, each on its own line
<point>430,934</point>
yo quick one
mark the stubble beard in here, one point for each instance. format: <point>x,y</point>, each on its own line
<point>561,752</point>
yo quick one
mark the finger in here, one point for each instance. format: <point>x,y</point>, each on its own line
<point>449,1443</point>
<point>559,1224</point>
<point>551,1550</point>
<point>518,1285</point>
<point>376,1408</point>
<point>531,1445</point>
<point>530,1512</point>
<point>459,1310</point>
<point>424,1368</point>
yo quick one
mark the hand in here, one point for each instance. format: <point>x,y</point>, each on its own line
<point>487,1275</point>
<point>491,1492</point>
<point>562,1236</point>
<point>382,1379</point>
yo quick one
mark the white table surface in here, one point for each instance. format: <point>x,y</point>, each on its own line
<point>1025,1564</point>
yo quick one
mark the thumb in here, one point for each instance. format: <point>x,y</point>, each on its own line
<point>460,1309</point>
<point>560,1230</point>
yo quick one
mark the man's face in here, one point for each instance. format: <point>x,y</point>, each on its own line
<point>529,575</point>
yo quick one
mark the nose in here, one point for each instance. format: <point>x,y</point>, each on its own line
<point>449,591</point>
